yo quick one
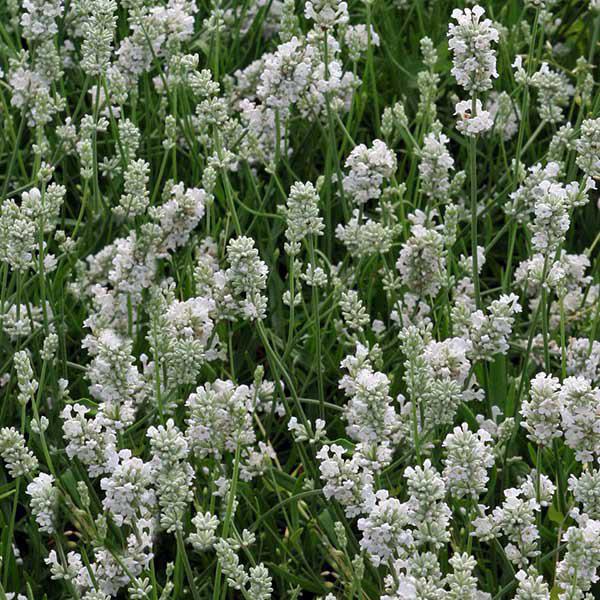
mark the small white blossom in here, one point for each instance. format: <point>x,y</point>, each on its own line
<point>472,124</point>
<point>541,410</point>
<point>468,458</point>
<point>44,501</point>
<point>13,450</point>
<point>471,43</point>
<point>368,167</point>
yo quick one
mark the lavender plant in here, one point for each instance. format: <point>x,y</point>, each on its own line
<point>299,300</point>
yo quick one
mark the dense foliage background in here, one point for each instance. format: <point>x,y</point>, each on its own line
<point>173,174</point>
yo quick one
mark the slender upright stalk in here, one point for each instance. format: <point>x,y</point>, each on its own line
<point>474,204</point>
<point>317,330</point>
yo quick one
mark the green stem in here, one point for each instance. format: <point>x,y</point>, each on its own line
<point>186,565</point>
<point>474,216</point>
<point>317,330</point>
<point>228,517</point>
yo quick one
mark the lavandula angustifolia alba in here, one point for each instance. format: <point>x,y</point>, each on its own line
<point>326,13</point>
<point>44,501</point>
<point>427,82</point>
<point>576,572</point>
<point>474,67</point>
<point>541,411</point>
<point>25,380</point>
<point>345,479</point>
<point>421,261</point>
<point>435,165</point>
<point>204,537</point>
<point>135,198</point>
<point>367,168</point>
<point>356,39</point>
<point>554,90</point>
<point>385,531</point>
<point>468,458</point>
<point>19,460</point>
<point>428,512</point>
<point>303,221</point>
<point>514,519</point>
<point>588,148</point>
<point>128,490</point>
<point>470,40</point>
<point>155,166</point>
<point>99,26</point>
<point>302,215</point>
<point>579,410</point>
<point>172,473</point>
<point>39,18</point>
<point>220,418</point>
<point>247,275</point>
<point>369,411</point>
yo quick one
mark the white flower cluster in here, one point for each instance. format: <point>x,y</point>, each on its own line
<point>21,224</point>
<point>115,381</point>
<point>171,473</point>
<point>300,74</point>
<point>554,91</point>
<point>514,520</point>
<point>395,529</point>
<point>369,411</point>
<point>421,262</point>
<point>220,418</point>
<point>551,221</point>
<point>91,440</point>
<point>468,458</point>
<point>419,575</point>
<point>189,337</point>
<point>472,119</point>
<point>504,113</point>
<point>385,531</point>
<point>367,168</point>
<point>247,275</point>
<point>577,571</point>
<point>348,480</point>
<point>435,166</point>
<point>18,458</point>
<point>588,148</point>
<point>135,198</point>
<point>579,417</point>
<point>471,42</point>
<point>569,408</point>
<point>326,13</point>
<point>204,537</point>
<point>44,501</point>
<point>364,236</point>
<point>357,38</point>
<point>541,411</point>
<point>489,333</point>
<point>39,18</point>
<point>128,490</point>
<point>302,215</point>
